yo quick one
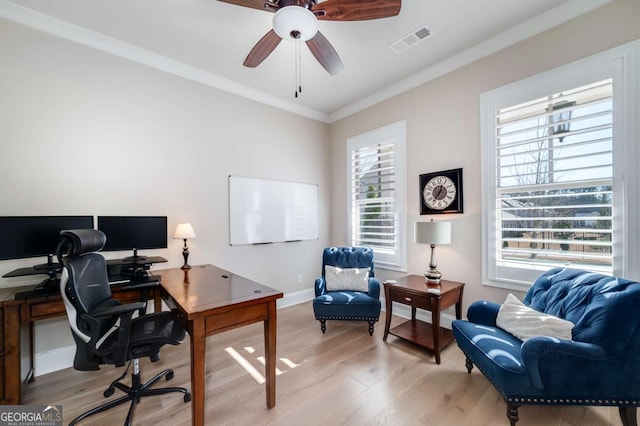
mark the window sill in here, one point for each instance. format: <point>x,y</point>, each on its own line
<point>508,285</point>
<point>390,267</point>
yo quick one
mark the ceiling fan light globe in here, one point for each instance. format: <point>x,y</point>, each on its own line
<point>295,23</point>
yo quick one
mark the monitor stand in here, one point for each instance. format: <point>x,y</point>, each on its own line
<point>51,267</point>
<point>47,287</point>
<point>135,257</point>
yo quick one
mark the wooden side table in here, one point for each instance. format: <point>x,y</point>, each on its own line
<point>413,291</point>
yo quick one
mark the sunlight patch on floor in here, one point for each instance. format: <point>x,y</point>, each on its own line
<point>250,369</point>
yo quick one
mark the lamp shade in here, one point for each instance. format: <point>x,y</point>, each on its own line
<point>184,231</point>
<point>295,23</point>
<point>432,232</point>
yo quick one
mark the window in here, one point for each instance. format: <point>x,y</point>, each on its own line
<point>376,171</point>
<point>554,150</point>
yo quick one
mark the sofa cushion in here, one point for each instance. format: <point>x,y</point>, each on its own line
<point>525,323</point>
<point>497,354</point>
<point>356,279</point>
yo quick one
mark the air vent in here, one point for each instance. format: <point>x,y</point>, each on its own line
<point>410,39</point>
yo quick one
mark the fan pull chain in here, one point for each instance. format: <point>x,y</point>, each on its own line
<point>298,62</point>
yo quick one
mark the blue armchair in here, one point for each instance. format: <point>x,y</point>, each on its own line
<point>356,305</point>
<point>600,365</point>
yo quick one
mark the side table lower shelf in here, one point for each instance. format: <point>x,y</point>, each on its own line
<point>421,333</point>
<point>413,291</point>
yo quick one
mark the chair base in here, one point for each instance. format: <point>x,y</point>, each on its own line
<point>133,394</point>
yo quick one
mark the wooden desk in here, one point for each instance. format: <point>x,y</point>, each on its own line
<point>413,291</point>
<point>209,300</point>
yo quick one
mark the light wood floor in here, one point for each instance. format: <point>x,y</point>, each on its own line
<point>344,377</point>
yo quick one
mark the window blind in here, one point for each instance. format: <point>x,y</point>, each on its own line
<point>373,201</point>
<point>554,180</point>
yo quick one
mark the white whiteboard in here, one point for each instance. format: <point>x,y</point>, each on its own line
<point>270,211</point>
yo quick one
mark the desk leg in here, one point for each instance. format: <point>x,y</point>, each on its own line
<point>435,323</point>
<point>387,315</point>
<point>12,379</point>
<point>157,301</point>
<point>270,353</point>
<point>198,357</point>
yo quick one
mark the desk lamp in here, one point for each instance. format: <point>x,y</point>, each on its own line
<point>432,233</point>
<point>183,232</point>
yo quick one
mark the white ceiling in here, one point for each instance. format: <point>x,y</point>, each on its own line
<point>207,40</point>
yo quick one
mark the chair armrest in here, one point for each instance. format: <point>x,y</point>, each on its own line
<point>374,288</point>
<point>320,286</point>
<point>537,353</point>
<point>118,310</point>
<point>483,312</point>
<point>125,313</point>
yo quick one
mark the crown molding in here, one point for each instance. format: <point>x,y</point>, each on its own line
<point>57,27</point>
<point>540,23</point>
<point>65,30</point>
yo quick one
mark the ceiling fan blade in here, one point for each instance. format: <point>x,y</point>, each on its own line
<point>267,5</point>
<point>325,53</point>
<point>356,10</point>
<point>262,49</point>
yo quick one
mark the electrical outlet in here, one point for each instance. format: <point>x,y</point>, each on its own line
<point>299,279</point>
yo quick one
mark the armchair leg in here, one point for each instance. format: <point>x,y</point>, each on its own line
<point>469,364</point>
<point>371,327</point>
<point>512,414</point>
<point>628,416</point>
<point>323,325</point>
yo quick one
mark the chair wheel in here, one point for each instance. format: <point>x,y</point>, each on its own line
<point>169,375</point>
<point>107,393</point>
<point>187,397</point>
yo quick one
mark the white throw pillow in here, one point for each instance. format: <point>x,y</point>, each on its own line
<point>355,279</point>
<point>525,323</point>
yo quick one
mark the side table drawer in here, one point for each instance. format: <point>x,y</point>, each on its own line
<point>422,302</point>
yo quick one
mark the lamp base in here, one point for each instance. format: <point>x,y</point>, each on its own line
<point>185,255</point>
<point>432,276</point>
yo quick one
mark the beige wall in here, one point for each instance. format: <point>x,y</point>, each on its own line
<point>443,132</point>
<point>84,132</point>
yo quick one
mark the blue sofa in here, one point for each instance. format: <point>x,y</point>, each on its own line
<point>347,304</point>
<point>599,366</point>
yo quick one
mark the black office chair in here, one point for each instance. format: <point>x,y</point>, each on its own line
<point>104,330</point>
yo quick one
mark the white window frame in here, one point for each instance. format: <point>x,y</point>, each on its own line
<point>621,64</point>
<point>396,132</point>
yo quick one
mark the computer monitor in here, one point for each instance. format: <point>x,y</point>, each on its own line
<point>32,236</point>
<point>134,233</point>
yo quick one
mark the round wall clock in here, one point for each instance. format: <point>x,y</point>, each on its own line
<point>441,192</point>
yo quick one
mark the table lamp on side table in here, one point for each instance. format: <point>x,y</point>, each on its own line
<point>184,231</point>
<point>432,233</point>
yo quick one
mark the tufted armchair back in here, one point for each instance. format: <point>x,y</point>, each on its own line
<point>348,257</point>
<point>604,309</point>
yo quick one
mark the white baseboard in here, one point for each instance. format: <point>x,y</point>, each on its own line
<point>296,297</point>
<point>405,312</point>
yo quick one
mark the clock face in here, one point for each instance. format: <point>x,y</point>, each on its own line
<point>439,192</point>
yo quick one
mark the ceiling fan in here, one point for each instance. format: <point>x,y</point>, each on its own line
<point>297,20</point>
